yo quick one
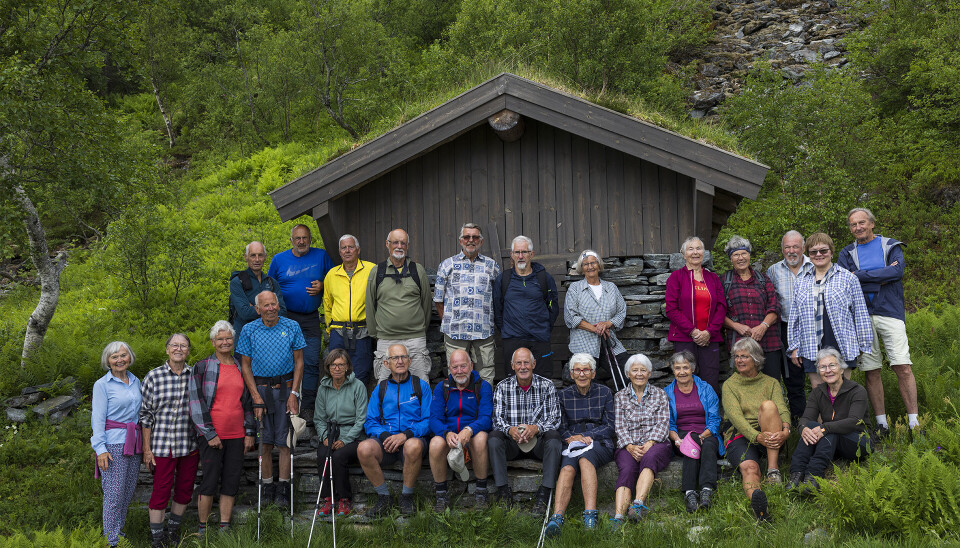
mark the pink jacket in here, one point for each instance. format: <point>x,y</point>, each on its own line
<point>680,305</point>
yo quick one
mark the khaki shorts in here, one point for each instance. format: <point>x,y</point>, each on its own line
<point>420,361</point>
<point>481,351</point>
<point>894,335</point>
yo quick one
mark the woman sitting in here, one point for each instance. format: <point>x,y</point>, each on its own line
<point>587,417</point>
<point>694,411</point>
<point>753,403</point>
<point>642,421</point>
<point>834,423</point>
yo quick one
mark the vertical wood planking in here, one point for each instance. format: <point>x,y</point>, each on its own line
<point>495,213</point>
<point>686,212</point>
<point>513,216</point>
<point>529,192</point>
<point>599,217</point>
<point>478,178</point>
<point>446,183</point>
<point>373,193</point>
<point>565,193</point>
<point>412,174</point>
<point>650,199</point>
<point>633,233</point>
<point>669,225</point>
<point>462,166</point>
<point>615,206</point>
<point>580,170</point>
<point>430,202</point>
<point>547,183</point>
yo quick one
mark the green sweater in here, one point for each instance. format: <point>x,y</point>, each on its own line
<point>398,311</point>
<point>741,404</point>
<point>347,406</point>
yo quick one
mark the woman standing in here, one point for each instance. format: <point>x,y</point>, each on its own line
<point>642,420</point>
<point>169,444</point>
<point>116,435</point>
<point>593,310</point>
<point>696,309</point>
<point>222,413</point>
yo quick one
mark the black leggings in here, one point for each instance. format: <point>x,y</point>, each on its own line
<point>341,474</point>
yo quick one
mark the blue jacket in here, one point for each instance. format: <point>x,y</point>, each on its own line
<point>525,314</point>
<point>886,282</point>
<point>709,400</point>
<point>242,301</point>
<point>462,408</point>
<point>409,416</point>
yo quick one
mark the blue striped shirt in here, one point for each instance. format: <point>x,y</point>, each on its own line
<point>783,280</point>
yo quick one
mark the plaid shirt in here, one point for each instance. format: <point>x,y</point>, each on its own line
<point>539,404</point>
<point>203,390</point>
<point>783,280</point>
<point>581,304</point>
<point>165,411</point>
<point>748,302</point>
<point>642,419</point>
<point>844,303</point>
<point>588,415</point>
<point>465,288</point>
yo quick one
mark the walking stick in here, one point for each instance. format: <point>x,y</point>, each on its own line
<point>546,518</point>
<point>316,508</point>
<point>333,434</point>
<point>618,381</point>
<point>259,467</point>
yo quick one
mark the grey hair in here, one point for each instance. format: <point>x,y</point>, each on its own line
<point>582,358</point>
<point>256,300</point>
<point>792,234</point>
<point>684,356</point>
<point>831,351</point>
<point>642,359</point>
<point>737,242</point>
<point>753,348</point>
<point>683,246</point>
<point>524,239</point>
<point>301,225</point>
<point>583,255</point>
<point>184,335</point>
<point>870,216</point>
<point>345,236</point>
<point>222,325</point>
<point>113,348</point>
<point>514,355</point>
<point>472,226</point>
<point>246,250</point>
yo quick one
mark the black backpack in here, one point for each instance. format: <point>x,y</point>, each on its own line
<point>410,271</point>
<point>247,282</point>
<point>383,391</point>
<point>447,387</point>
<point>541,279</point>
<point>728,280</point>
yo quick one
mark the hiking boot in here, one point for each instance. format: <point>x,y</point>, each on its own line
<point>381,508</point>
<point>590,519</point>
<point>443,502</point>
<point>159,542</point>
<point>691,501</point>
<point>283,495</point>
<point>505,496</point>
<point>539,507</point>
<point>810,485</point>
<point>796,478</point>
<point>267,493</point>
<point>883,432</point>
<point>407,507</point>
<point>917,434</point>
<point>637,510</point>
<point>706,495</point>
<point>344,507</point>
<point>758,501</point>
<point>554,526</point>
<point>774,476</point>
<point>327,507</point>
<point>481,499</point>
<point>616,523</point>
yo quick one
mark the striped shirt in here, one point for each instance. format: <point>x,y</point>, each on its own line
<point>581,304</point>
<point>589,414</point>
<point>538,405</point>
<point>642,419</point>
<point>166,411</point>
<point>465,288</point>
<point>783,280</point>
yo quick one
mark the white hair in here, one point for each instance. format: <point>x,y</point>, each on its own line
<point>246,250</point>
<point>641,359</point>
<point>524,239</point>
<point>870,216</point>
<point>683,246</point>
<point>356,242</point>
<point>113,348</point>
<point>256,300</point>
<point>222,325</point>
<point>792,234</point>
<point>583,255</point>
<point>581,358</point>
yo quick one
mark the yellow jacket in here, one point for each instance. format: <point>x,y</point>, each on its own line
<point>344,298</point>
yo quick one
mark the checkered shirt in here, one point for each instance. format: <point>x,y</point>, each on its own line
<point>465,288</point>
<point>165,410</point>
<point>581,304</point>
<point>748,303</point>
<point>783,280</point>
<point>588,415</point>
<point>640,420</point>
<point>270,349</point>
<point>538,405</point>
<point>843,302</point>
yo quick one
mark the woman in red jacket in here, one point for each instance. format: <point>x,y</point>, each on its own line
<point>696,308</point>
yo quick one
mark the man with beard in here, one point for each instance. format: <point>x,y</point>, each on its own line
<point>525,305</point>
<point>783,275</point>
<point>464,301</point>
<point>398,307</point>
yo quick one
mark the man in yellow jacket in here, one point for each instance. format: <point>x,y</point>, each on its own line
<point>344,307</point>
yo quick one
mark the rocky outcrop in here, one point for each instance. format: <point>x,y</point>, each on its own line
<point>791,35</point>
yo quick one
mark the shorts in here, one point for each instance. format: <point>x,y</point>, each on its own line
<point>894,334</point>
<point>393,458</point>
<point>740,450</point>
<point>275,421</point>
<point>221,467</point>
<point>598,456</point>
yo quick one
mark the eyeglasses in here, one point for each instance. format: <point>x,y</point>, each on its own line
<point>179,346</point>
<point>471,237</point>
<point>828,366</point>
<point>338,365</point>
<point>524,252</point>
<point>579,371</point>
<point>824,251</point>
<point>397,358</point>
<point>738,357</point>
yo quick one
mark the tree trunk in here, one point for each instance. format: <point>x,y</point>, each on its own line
<point>48,269</point>
<point>163,111</point>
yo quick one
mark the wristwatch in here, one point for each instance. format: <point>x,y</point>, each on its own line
<point>295,393</point>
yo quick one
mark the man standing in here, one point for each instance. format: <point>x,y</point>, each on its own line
<point>398,297</point>
<point>300,272</point>
<point>460,417</point>
<point>878,263</point>
<point>245,285</point>
<point>784,275</point>
<point>271,361</point>
<point>526,415</point>
<point>525,305</point>
<point>344,298</point>
<point>463,296</point>
<point>398,419</point>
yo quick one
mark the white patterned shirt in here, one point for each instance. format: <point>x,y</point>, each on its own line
<point>465,288</point>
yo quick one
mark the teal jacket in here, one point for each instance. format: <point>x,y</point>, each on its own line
<point>347,406</point>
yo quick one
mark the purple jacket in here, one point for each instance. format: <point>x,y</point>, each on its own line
<point>680,305</point>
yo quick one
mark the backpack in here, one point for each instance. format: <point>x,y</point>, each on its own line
<point>728,280</point>
<point>247,283</point>
<point>383,391</point>
<point>447,387</point>
<point>411,271</point>
<point>541,279</point>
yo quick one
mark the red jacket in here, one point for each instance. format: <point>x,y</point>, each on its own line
<point>680,305</point>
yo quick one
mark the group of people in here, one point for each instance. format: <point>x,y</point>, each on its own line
<point>806,315</point>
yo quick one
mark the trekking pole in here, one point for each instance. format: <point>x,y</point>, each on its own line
<point>316,509</point>
<point>618,382</point>
<point>292,437</point>
<point>546,518</point>
<point>333,430</point>
<point>259,467</point>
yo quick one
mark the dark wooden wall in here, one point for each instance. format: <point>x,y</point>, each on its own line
<point>564,192</point>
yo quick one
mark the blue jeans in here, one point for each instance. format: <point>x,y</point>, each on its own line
<point>361,356</point>
<point>311,371</point>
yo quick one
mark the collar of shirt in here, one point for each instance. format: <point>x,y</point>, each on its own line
<point>634,392</point>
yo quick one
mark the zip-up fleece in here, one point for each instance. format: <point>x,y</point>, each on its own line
<point>886,282</point>
<point>344,298</point>
<point>680,305</point>
<point>463,408</point>
<point>402,413</point>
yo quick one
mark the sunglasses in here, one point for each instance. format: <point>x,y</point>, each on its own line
<point>814,252</point>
